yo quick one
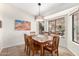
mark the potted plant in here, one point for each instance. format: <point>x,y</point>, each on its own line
<point>61,30</point>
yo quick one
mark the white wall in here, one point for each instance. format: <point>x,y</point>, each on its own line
<point>11,37</point>
<point>1,35</point>
<point>63,40</point>
<point>1,19</point>
<point>73,47</point>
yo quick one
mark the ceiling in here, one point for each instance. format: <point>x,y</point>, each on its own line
<point>45,9</point>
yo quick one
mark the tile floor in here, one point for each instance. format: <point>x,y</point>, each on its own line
<point>19,51</point>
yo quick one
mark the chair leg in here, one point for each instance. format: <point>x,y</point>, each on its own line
<point>32,53</point>
<point>57,53</point>
<point>29,51</point>
<point>25,49</point>
<point>43,52</point>
<point>52,53</point>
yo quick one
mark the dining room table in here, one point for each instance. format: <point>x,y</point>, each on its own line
<point>41,40</point>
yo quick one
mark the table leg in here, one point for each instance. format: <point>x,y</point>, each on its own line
<point>42,50</point>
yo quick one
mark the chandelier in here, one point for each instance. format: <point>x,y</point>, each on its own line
<point>39,17</point>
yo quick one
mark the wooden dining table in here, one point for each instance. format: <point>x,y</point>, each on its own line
<point>41,40</point>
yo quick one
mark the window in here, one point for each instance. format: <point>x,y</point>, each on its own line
<point>41,27</point>
<point>75,27</point>
<point>57,25</point>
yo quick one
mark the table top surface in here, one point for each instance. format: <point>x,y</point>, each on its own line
<point>42,38</point>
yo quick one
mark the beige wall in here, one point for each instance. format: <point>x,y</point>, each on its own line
<point>8,35</point>
<point>73,47</point>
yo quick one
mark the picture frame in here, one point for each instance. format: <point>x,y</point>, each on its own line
<point>0,24</point>
<point>22,25</point>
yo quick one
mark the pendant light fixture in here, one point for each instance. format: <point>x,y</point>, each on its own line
<point>39,17</point>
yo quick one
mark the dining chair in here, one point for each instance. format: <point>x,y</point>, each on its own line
<point>26,47</point>
<point>54,33</point>
<point>46,33</point>
<point>32,33</point>
<point>53,46</point>
<point>32,47</point>
<point>57,33</point>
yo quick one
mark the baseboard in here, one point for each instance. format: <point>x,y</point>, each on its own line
<point>13,45</point>
<point>72,52</point>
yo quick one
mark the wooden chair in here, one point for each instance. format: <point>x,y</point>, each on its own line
<point>46,33</point>
<point>54,33</point>
<point>32,47</point>
<point>26,47</point>
<point>53,47</point>
<point>32,33</point>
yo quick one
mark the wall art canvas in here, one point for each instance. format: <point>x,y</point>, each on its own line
<point>0,24</point>
<point>22,25</point>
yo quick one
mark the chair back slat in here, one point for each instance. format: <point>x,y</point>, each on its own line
<point>30,42</point>
<point>55,43</point>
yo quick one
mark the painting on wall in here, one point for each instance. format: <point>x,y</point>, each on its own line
<point>22,25</point>
<point>0,24</point>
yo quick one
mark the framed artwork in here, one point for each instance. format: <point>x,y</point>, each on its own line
<point>0,24</point>
<point>22,25</point>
